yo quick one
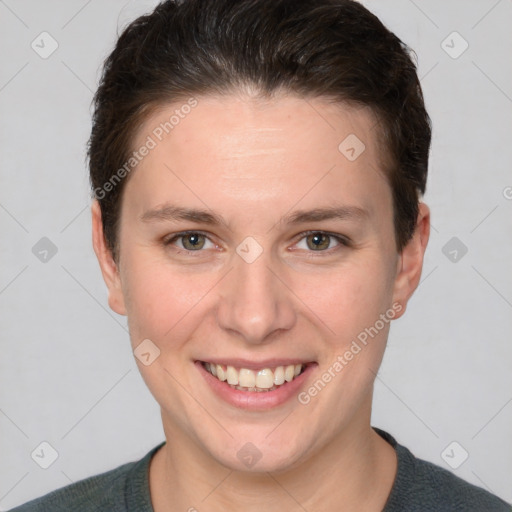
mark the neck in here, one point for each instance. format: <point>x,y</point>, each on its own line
<point>353,472</point>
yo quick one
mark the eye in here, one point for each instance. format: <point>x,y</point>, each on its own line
<point>191,241</point>
<point>319,241</point>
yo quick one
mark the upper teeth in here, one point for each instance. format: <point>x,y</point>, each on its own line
<point>264,378</point>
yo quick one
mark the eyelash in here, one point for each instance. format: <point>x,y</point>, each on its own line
<point>173,238</point>
<point>341,240</point>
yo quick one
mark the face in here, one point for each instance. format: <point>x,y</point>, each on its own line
<point>258,256</point>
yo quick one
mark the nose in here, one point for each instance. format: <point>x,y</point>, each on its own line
<point>254,303</point>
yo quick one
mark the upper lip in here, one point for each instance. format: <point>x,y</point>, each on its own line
<point>256,365</point>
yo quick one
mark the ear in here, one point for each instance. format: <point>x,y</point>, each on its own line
<point>410,262</point>
<point>108,266</point>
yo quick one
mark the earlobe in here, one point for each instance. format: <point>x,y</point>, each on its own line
<point>410,262</point>
<point>108,266</point>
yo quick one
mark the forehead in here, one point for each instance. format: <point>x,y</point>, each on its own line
<point>240,151</point>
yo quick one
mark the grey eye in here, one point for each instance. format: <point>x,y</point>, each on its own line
<point>193,241</point>
<point>318,241</point>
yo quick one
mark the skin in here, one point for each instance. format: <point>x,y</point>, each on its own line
<point>254,162</point>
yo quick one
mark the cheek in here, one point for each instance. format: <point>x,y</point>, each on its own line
<point>349,298</point>
<point>165,306</point>
<point>161,301</point>
<point>356,306</point>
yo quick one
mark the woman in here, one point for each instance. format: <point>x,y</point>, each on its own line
<point>257,170</point>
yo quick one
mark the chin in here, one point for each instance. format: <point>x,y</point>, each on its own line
<point>255,451</point>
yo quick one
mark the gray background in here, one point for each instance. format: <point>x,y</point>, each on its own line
<point>67,374</point>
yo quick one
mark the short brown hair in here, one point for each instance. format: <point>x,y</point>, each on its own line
<point>327,48</point>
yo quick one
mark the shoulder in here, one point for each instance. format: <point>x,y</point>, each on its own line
<point>117,490</point>
<point>441,490</point>
<point>423,486</point>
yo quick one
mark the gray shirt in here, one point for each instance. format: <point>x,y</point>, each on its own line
<point>419,487</point>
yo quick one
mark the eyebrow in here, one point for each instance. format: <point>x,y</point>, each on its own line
<point>175,213</point>
<point>329,213</point>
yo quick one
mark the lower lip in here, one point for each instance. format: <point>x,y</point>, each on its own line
<point>254,400</point>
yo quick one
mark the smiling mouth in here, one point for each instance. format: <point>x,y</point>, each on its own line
<point>244,379</point>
